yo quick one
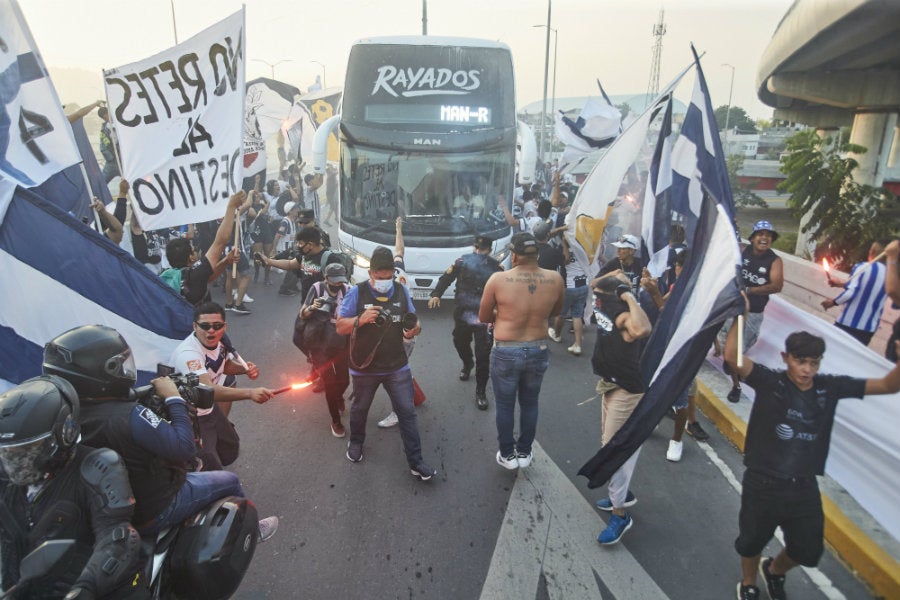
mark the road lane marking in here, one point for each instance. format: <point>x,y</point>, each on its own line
<point>550,528</point>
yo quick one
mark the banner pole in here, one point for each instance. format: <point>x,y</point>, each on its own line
<point>740,341</point>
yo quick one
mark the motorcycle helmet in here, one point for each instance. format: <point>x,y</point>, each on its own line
<point>38,428</point>
<point>93,358</point>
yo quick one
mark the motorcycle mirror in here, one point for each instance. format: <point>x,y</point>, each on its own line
<point>40,561</point>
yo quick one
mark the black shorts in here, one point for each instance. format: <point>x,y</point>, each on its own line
<point>795,506</point>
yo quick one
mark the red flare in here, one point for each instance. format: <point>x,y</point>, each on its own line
<point>293,386</point>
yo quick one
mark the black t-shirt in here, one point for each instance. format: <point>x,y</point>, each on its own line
<point>756,270</point>
<point>614,359</point>
<point>790,430</point>
<point>195,281</point>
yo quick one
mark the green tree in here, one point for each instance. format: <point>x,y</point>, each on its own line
<point>845,217</point>
<point>737,119</point>
<point>742,192</point>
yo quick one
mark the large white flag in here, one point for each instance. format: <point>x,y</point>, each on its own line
<point>606,186</point>
<point>178,117</point>
<point>35,138</point>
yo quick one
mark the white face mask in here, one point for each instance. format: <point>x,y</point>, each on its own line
<point>383,286</point>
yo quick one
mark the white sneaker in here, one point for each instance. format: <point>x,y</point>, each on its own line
<point>267,528</point>
<point>674,452</point>
<point>388,421</point>
<point>247,297</point>
<point>510,462</point>
<point>553,335</point>
<point>573,349</point>
<point>523,459</point>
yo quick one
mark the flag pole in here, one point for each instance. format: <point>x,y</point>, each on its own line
<point>237,233</point>
<point>740,342</point>
<point>87,186</point>
<point>865,267</point>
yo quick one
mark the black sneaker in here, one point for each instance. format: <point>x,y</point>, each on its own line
<point>423,471</point>
<point>747,592</point>
<point>229,307</point>
<point>696,431</point>
<point>464,373</point>
<point>735,394</point>
<point>481,400</point>
<point>774,583</point>
<point>288,292</point>
<point>354,452</point>
<point>241,309</point>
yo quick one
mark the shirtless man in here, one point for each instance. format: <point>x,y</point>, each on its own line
<point>519,302</point>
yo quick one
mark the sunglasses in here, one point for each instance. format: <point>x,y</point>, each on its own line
<point>208,326</point>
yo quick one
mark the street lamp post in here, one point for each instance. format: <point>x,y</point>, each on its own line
<point>553,97</point>
<point>323,72</point>
<point>272,65</point>
<point>728,110</point>
<point>546,73</point>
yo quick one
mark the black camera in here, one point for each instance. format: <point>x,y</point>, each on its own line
<point>409,321</point>
<point>196,394</point>
<point>258,257</point>
<point>328,303</point>
<point>385,316</point>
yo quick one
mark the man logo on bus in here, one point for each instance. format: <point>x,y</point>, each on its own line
<point>425,81</point>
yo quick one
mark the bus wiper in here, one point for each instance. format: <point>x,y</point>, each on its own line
<point>371,228</point>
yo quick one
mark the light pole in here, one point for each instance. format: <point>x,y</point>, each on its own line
<point>728,110</point>
<point>553,100</point>
<point>546,73</point>
<point>323,72</point>
<point>272,65</point>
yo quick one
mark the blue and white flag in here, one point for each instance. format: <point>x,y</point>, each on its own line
<point>706,293</point>
<point>656,219</point>
<point>35,138</point>
<point>57,273</point>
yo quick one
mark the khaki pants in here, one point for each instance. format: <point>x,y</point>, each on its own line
<point>618,404</point>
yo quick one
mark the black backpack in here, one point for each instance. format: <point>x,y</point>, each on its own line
<point>343,258</point>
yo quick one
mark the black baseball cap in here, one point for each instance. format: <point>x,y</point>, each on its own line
<point>483,242</point>
<point>523,243</point>
<point>306,216</point>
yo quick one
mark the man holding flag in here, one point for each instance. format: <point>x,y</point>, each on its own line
<point>621,323</point>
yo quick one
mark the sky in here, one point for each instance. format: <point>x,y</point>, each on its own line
<point>609,40</point>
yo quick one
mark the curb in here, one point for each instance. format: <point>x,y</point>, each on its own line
<point>868,560</point>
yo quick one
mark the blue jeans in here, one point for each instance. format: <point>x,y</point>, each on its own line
<point>399,387</point>
<point>518,371</point>
<point>198,491</point>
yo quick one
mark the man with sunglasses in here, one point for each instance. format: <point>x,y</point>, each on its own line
<point>204,353</point>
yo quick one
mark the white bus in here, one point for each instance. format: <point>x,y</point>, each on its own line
<point>428,133</point>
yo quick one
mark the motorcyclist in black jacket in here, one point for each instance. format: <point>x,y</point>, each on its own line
<point>54,488</point>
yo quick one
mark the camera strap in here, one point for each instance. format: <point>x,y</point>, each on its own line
<point>368,360</point>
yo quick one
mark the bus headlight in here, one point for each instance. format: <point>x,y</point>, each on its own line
<point>360,260</point>
<point>501,255</point>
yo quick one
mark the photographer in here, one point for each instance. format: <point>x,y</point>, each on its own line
<point>156,448</point>
<point>378,314</point>
<point>621,324</point>
<point>327,349</point>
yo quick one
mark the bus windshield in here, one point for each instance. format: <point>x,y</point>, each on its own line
<point>436,194</point>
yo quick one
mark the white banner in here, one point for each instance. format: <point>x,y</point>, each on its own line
<point>35,138</point>
<point>178,116</point>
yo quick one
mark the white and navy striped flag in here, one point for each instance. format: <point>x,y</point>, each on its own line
<point>57,273</point>
<point>656,219</point>
<point>706,293</point>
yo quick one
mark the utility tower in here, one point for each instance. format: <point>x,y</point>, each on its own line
<point>659,30</point>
